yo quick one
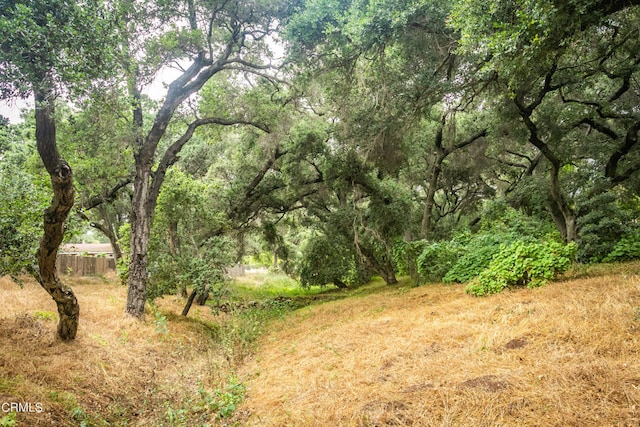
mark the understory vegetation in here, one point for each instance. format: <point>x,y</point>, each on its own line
<point>246,361</point>
<point>248,162</point>
<point>194,361</point>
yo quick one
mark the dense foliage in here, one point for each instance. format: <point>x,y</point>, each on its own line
<point>456,141</point>
<point>20,215</point>
<point>523,264</point>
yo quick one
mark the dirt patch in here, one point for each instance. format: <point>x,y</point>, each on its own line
<point>516,343</point>
<point>490,383</point>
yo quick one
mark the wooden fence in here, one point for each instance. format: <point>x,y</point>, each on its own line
<point>81,265</point>
<point>78,265</point>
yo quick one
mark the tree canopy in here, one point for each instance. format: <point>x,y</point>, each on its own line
<point>345,138</point>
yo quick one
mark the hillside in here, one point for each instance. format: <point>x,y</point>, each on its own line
<point>567,354</point>
<point>563,355</point>
<point>118,371</point>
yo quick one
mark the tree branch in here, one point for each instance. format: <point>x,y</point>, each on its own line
<point>605,130</point>
<point>630,140</point>
<point>107,196</point>
<point>171,154</point>
<point>470,140</point>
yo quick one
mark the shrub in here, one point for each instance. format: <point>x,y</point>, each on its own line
<point>437,259</point>
<point>523,264</point>
<point>201,270</point>
<point>626,249</point>
<point>21,207</point>
<point>499,217</point>
<point>405,258</point>
<point>479,250</point>
<point>328,260</point>
<point>603,223</point>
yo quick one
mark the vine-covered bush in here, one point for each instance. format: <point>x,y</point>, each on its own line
<point>467,255</point>
<point>523,264</point>
<point>478,252</point>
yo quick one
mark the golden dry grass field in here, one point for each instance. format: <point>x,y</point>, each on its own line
<point>118,371</point>
<point>567,354</point>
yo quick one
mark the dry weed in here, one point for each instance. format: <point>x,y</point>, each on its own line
<point>118,370</point>
<point>563,355</point>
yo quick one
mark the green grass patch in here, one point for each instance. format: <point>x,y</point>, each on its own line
<point>45,315</point>
<point>9,384</point>
<point>266,285</point>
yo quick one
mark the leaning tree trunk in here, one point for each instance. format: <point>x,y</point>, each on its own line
<point>55,215</point>
<point>383,268</point>
<point>187,306</point>
<point>388,275</point>
<point>109,231</point>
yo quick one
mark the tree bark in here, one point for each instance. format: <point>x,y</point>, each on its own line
<point>140,232</point>
<point>55,215</point>
<point>427,214</point>
<point>389,276</point>
<point>174,240</point>
<point>384,267</point>
<point>174,251</point>
<point>189,303</point>
<point>568,214</point>
<point>203,296</point>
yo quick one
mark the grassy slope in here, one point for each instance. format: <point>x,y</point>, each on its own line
<point>118,371</point>
<point>566,354</point>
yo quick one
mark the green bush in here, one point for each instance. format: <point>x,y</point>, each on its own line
<point>326,260</point>
<point>602,222</point>
<point>201,270</point>
<point>437,259</point>
<point>498,217</point>
<point>626,249</point>
<point>405,258</point>
<point>478,252</point>
<point>22,201</point>
<point>467,255</point>
<point>523,264</point>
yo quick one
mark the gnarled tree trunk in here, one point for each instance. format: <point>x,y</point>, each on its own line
<point>55,215</point>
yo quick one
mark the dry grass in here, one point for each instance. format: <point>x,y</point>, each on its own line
<point>118,371</point>
<point>563,355</point>
<point>567,354</point>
